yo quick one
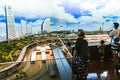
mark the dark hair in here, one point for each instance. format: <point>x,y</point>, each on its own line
<point>102,41</point>
<point>69,43</point>
<point>81,33</point>
<point>116,24</point>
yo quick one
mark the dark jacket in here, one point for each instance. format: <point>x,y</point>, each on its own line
<point>82,49</point>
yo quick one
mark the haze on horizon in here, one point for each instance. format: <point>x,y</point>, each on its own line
<point>89,15</point>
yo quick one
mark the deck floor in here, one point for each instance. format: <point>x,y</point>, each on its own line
<point>109,66</point>
<point>95,66</point>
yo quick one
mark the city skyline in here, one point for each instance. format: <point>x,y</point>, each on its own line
<point>71,14</point>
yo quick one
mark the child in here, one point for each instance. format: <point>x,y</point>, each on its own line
<point>101,48</point>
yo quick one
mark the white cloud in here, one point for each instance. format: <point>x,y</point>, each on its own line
<point>111,8</point>
<point>89,6</point>
<point>36,23</point>
<point>2,4</point>
<point>40,8</point>
<point>51,8</point>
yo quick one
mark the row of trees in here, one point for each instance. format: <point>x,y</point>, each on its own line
<point>8,49</point>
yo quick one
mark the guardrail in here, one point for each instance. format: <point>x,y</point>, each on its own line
<point>59,59</point>
<point>14,65</point>
<point>65,46</point>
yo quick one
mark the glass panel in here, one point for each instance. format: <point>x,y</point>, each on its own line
<point>41,63</point>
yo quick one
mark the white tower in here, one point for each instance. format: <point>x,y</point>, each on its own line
<point>23,28</point>
<point>29,30</point>
<point>46,25</point>
<point>10,26</point>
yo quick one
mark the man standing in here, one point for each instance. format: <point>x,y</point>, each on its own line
<point>80,56</point>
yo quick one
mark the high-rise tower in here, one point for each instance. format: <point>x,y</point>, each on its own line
<point>23,28</point>
<point>29,30</point>
<point>10,26</point>
<point>46,25</point>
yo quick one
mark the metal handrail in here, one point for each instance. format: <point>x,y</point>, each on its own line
<point>65,46</point>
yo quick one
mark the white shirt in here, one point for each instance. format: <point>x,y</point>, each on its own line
<point>114,33</point>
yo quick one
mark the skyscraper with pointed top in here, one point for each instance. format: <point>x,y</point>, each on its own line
<point>10,26</point>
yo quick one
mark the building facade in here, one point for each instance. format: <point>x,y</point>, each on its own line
<point>23,28</point>
<point>46,25</point>
<point>10,25</point>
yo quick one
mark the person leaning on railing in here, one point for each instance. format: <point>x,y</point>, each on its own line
<point>115,39</point>
<point>80,56</point>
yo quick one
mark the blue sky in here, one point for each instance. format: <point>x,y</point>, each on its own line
<point>72,14</point>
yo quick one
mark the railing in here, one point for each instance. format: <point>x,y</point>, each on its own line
<point>15,65</point>
<point>8,70</point>
<point>64,46</point>
<point>63,67</point>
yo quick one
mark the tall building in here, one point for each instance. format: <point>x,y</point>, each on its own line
<point>23,28</point>
<point>46,25</point>
<point>10,26</point>
<point>42,26</point>
<point>29,30</point>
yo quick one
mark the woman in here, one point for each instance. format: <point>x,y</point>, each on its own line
<point>115,34</point>
<point>80,57</point>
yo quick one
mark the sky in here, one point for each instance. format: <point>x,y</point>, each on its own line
<point>88,15</point>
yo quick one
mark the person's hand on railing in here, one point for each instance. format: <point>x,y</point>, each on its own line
<point>74,57</point>
<point>108,32</point>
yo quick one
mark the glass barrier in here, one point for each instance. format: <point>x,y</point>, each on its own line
<point>54,62</point>
<point>39,65</point>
